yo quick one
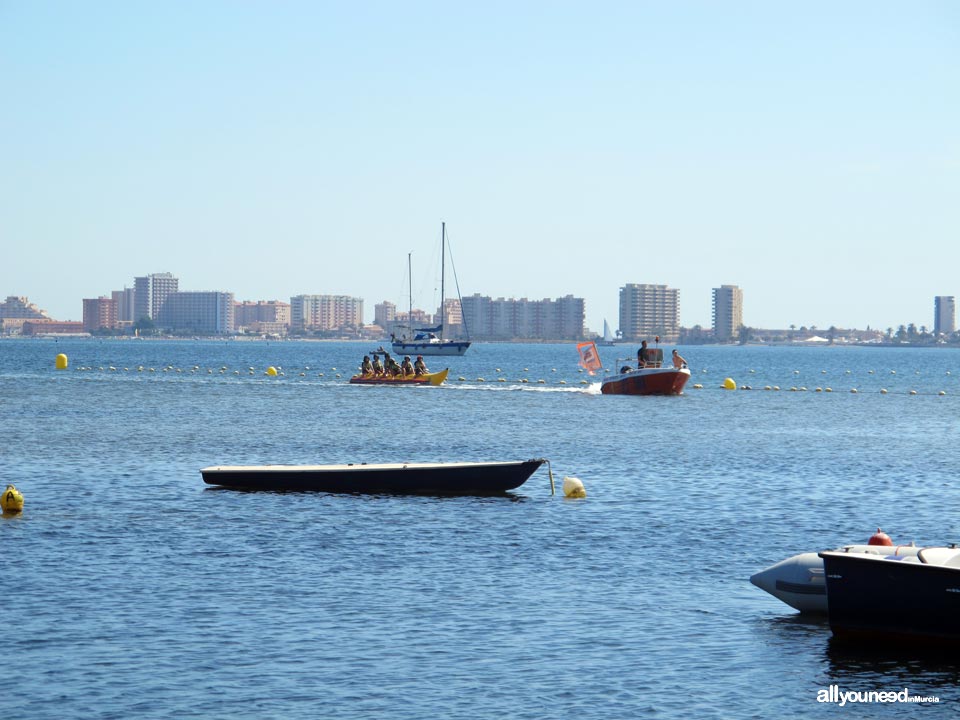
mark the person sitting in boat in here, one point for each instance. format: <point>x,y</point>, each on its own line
<point>678,362</point>
<point>642,354</point>
<point>406,366</point>
<point>377,367</point>
<point>366,367</point>
<point>419,367</point>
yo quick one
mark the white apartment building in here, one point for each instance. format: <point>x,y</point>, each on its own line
<point>727,312</point>
<point>649,311</point>
<point>325,312</point>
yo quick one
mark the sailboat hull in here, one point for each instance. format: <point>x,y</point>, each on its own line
<point>437,347</point>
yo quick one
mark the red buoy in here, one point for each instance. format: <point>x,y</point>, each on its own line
<point>880,538</point>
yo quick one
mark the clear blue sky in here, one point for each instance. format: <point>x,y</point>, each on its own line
<point>805,151</point>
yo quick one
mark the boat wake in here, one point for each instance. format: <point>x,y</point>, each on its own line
<point>593,389</point>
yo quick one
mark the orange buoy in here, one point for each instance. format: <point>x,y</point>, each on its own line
<point>880,538</point>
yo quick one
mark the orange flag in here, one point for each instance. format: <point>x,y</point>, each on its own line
<point>589,357</point>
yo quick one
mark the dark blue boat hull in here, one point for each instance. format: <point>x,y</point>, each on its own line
<point>870,599</point>
<point>408,479</point>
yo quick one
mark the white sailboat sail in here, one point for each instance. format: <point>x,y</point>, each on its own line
<point>607,334</point>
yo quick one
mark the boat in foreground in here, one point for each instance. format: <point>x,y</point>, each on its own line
<point>903,599</point>
<point>425,379</point>
<point>454,478</point>
<point>646,381</point>
<point>799,580</point>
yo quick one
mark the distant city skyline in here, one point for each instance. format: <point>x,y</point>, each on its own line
<point>807,153</point>
<point>728,303</point>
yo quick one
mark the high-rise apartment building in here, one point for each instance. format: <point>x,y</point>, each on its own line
<point>99,314</point>
<point>727,312</point>
<point>384,314</point>
<point>268,317</point>
<point>205,313</point>
<point>249,313</point>
<point>944,315</point>
<point>15,307</point>
<point>648,311</point>
<point>500,319</point>
<point>126,305</point>
<point>325,312</point>
<point>150,293</point>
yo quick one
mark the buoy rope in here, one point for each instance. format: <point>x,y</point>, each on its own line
<point>553,489</point>
<point>699,387</point>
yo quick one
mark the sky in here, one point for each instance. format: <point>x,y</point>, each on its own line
<point>808,152</point>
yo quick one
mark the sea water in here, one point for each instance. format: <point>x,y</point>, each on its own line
<point>132,590</point>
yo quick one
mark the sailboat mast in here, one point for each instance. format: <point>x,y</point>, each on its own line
<point>409,292</point>
<point>443,269</point>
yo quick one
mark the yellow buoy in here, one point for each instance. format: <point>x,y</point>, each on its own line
<point>12,500</point>
<point>729,384</point>
<point>272,371</point>
<point>573,488</point>
<point>60,362</point>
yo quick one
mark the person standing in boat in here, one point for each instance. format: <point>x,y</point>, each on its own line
<point>366,367</point>
<point>678,361</point>
<point>406,367</point>
<point>642,354</point>
<point>419,367</point>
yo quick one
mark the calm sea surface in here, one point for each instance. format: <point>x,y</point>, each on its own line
<point>131,590</point>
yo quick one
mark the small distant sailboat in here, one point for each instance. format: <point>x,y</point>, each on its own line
<point>608,338</point>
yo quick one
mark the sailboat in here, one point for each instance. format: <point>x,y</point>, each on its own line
<point>430,341</point>
<point>608,339</point>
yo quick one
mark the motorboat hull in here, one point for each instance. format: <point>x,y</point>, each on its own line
<point>881,598</point>
<point>442,347</point>
<point>464,478</point>
<point>426,379</point>
<point>799,580</point>
<point>647,381</point>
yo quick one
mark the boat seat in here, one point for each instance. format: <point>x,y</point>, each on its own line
<point>654,358</point>
<point>943,556</point>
